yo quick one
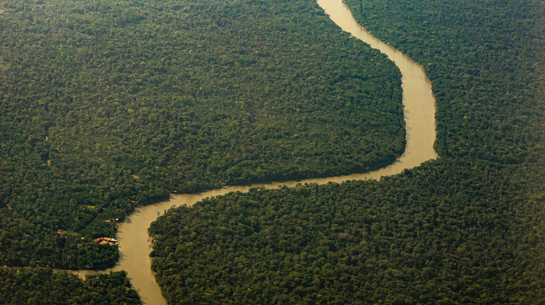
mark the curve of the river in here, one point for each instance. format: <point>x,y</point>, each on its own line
<point>419,111</point>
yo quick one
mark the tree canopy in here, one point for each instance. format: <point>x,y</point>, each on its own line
<point>427,236</point>
<point>43,286</point>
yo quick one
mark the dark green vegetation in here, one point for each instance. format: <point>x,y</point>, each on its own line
<point>106,105</point>
<point>42,286</point>
<point>466,229</point>
<point>486,62</point>
<point>395,241</point>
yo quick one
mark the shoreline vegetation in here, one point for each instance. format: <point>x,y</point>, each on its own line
<point>31,285</point>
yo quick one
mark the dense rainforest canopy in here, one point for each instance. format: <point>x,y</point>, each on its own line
<point>425,237</point>
<point>466,229</point>
<point>106,105</point>
<point>42,286</point>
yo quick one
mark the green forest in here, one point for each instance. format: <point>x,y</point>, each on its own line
<point>397,241</point>
<point>468,228</point>
<point>43,286</point>
<point>108,105</point>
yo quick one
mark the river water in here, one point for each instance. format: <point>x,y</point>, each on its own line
<point>419,111</point>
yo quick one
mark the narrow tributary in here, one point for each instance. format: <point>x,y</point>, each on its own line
<point>419,111</point>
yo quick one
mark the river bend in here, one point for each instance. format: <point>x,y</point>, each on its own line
<point>419,113</point>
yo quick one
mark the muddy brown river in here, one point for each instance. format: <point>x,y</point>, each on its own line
<point>419,111</point>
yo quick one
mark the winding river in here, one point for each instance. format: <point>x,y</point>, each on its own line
<point>419,111</point>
